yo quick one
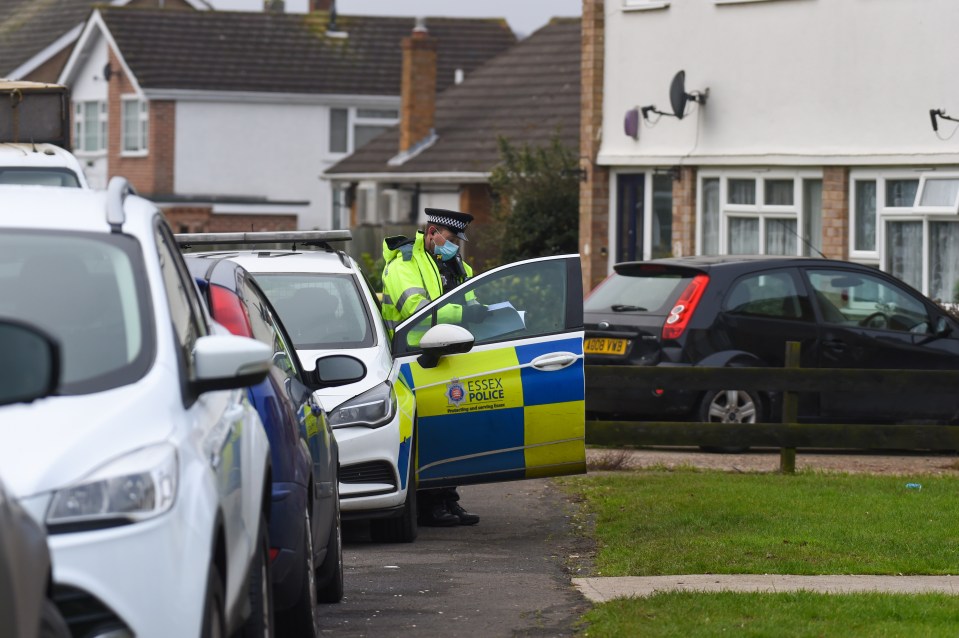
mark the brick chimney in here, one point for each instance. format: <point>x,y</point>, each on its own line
<point>418,89</point>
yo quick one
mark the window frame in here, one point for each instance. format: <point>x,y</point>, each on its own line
<point>143,126</point>
<point>924,179</point>
<point>80,127</point>
<point>354,120</point>
<point>797,211</point>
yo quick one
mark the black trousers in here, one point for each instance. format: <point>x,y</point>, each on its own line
<point>426,499</point>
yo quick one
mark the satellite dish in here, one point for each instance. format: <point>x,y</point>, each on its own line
<point>677,94</point>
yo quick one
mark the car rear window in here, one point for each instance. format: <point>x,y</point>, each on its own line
<point>39,177</point>
<point>652,292</point>
<point>88,290</point>
<point>320,311</point>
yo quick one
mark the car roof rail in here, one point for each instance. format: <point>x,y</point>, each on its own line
<point>313,238</point>
<point>117,191</point>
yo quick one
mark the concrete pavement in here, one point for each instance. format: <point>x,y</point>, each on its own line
<point>602,589</point>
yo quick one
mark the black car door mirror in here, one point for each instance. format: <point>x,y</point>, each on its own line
<point>443,339</point>
<point>29,363</point>
<point>943,327</point>
<point>338,369</point>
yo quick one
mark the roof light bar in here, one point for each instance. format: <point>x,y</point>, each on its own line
<point>303,237</point>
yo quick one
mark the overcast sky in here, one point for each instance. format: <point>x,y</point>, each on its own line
<point>524,16</point>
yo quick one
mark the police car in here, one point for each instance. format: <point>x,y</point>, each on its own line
<point>440,404</point>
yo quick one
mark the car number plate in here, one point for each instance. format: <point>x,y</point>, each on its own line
<point>602,345</point>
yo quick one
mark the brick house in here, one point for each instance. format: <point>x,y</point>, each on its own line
<point>442,152</point>
<point>225,119</point>
<point>815,136</point>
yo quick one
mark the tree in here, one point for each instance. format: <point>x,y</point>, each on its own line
<point>536,203</point>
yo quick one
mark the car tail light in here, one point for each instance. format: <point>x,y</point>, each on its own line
<point>227,309</point>
<point>682,312</point>
<point>274,552</point>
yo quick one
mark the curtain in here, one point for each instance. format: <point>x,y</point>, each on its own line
<point>944,261</point>
<point>742,191</point>
<point>743,236</point>
<point>901,193</point>
<point>710,239</point>
<point>812,216</point>
<point>865,237</point>
<point>780,236</point>
<point>778,192</point>
<point>904,251</point>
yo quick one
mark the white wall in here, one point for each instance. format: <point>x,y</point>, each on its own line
<point>272,150</point>
<point>91,86</point>
<point>791,81</point>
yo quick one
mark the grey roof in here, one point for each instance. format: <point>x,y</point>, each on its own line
<point>528,94</point>
<point>289,53</point>
<point>27,27</point>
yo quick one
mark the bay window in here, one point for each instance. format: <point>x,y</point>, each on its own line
<point>913,224</point>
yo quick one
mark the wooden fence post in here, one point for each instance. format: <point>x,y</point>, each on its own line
<point>787,456</point>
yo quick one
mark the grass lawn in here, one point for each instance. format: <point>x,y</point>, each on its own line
<point>651,523</point>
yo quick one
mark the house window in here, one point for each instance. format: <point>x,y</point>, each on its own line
<point>772,214</point>
<point>914,228</point>
<point>135,127</point>
<point>90,126</point>
<point>351,128</point>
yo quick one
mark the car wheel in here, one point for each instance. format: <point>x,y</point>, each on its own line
<point>302,619</point>
<point>260,622</point>
<point>730,406</point>
<point>329,577</point>
<point>52,624</point>
<point>214,618</point>
<point>402,528</point>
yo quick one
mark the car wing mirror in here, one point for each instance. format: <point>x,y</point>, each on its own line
<point>338,369</point>
<point>227,362</point>
<point>29,363</point>
<point>441,340</point>
<point>943,327</point>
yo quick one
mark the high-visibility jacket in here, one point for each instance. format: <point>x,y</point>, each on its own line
<point>411,280</point>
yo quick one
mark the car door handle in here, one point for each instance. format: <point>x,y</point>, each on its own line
<point>835,345</point>
<point>554,361</point>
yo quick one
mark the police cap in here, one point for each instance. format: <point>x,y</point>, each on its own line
<point>451,219</point>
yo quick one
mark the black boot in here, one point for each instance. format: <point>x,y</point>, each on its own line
<point>464,517</point>
<point>438,515</point>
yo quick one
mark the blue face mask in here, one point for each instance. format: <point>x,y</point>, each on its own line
<point>447,251</point>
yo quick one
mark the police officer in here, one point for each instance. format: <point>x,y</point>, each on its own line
<point>417,271</point>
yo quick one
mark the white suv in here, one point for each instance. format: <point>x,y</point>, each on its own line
<point>148,466</point>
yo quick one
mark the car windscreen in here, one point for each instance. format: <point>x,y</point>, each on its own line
<point>320,311</point>
<point>38,176</point>
<point>89,291</point>
<point>651,292</point>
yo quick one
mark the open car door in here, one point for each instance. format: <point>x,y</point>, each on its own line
<point>501,399</point>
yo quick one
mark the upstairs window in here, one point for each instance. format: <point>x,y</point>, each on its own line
<point>135,125</point>
<point>351,128</point>
<point>90,126</point>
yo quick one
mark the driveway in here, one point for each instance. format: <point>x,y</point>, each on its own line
<point>507,576</point>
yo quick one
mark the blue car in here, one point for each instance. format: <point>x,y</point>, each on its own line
<point>305,533</point>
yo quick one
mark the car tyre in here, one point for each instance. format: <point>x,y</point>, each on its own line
<point>402,528</point>
<point>260,622</point>
<point>329,576</point>
<point>730,406</point>
<point>214,616</point>
<point>52,624</point>
<point>302,619</point>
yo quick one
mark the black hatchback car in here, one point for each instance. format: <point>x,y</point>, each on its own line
<point>741,311</point>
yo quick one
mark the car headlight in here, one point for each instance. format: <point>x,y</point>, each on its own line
<point>374,408</point>
<point>132,488</point>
